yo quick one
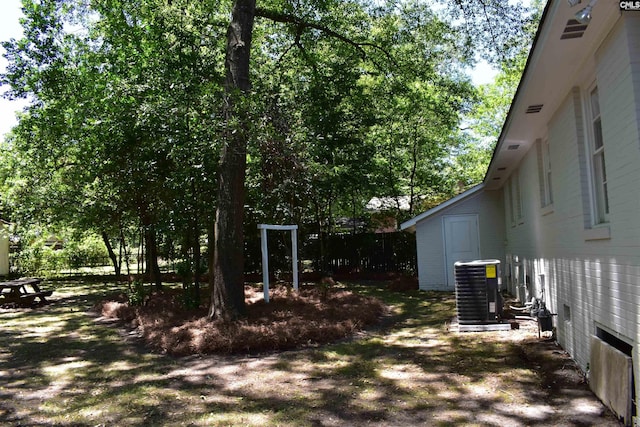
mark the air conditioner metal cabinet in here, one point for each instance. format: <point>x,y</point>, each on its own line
<point>478,298</point>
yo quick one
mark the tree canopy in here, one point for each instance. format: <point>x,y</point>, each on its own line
<point>161,118</point>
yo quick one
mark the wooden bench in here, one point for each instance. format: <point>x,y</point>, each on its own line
<point>27,299</point>
<point>33,295</point>
<point>15,292</point>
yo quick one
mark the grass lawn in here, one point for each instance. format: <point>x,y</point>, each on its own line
<point>60,365</point>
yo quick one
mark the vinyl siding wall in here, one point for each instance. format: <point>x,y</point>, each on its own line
<point>589,275</point>
<point>430,237</point>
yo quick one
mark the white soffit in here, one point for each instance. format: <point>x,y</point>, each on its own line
<point>561,58</point>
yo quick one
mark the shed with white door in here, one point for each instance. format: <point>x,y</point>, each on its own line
<point>465,228</point>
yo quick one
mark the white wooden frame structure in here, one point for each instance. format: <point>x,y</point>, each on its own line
<point>265,254</point>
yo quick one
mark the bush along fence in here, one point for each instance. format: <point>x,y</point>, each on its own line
<point>359,254</point>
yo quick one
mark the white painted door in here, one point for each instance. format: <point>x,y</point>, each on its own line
<point>461,242</point>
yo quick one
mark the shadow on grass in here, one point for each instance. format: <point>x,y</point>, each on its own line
<point>61,366</point>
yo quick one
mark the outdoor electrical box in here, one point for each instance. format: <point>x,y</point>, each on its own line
<point>478,298</point>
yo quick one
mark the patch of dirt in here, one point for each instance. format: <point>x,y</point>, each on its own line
<point>416,371</point>
<point>561,390</point>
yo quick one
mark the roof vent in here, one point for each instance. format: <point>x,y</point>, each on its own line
<point>502,169</point>
<point>573,30</point>
<point>513,147</point>
<point>532,109</point>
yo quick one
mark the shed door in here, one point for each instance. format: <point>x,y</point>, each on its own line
<point>461,242</point>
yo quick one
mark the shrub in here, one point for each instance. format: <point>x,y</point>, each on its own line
<point>89,251</point>
<point>39,258</point>
<point>136,294</point>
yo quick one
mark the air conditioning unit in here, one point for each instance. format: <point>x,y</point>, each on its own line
<point>478,299</point>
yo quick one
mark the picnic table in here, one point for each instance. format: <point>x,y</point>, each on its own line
<point>22,292</point>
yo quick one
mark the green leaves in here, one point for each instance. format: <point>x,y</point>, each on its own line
<point>125,122</point>
<point>349,100</point>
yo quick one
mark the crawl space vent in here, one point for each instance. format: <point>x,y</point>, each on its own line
<point>611,378</point>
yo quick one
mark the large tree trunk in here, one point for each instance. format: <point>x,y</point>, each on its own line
<point>153,268</point>
<point>123,247</point>
<point>197,259</point>
<point>197,255</point>
<point>227,290</point>
<point>112,254</point>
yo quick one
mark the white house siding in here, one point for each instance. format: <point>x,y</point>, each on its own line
<point>430,238</point>
<point>590,280</point>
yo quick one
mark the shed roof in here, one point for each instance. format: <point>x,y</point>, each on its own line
<point>453,201</point>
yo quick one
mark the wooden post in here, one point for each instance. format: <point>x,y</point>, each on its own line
<point>265,254</point>
<point>294,257</point>
<point>265,262</point>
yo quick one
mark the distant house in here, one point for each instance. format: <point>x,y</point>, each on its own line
<point>4,248</point>
<point>560,203</point>
<point>384,212</point>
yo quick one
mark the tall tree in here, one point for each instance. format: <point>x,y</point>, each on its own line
<point>153,91</point>
<point>228,286</point>
<point>138,87</point>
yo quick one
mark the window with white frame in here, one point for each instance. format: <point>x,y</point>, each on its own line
<point>510,199</point>
<point>598,169</point>
<point>515,199</point>
<point>518,196</point>
<point>546,170</point>
<point>544,174</point>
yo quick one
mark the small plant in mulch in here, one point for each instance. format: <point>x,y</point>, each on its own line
<point>136,293</point>
<point>324,285</point>
<point>290,320</point>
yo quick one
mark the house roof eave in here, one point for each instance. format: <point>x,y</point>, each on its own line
<point>560,58</point>
<point>519,90</point>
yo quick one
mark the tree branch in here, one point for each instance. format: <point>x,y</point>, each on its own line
<point>493,36</point>
<point>302,24</point>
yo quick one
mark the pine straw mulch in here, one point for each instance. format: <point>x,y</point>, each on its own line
<point>311,316</point>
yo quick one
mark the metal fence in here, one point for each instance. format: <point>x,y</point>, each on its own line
<point>338,253</point>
